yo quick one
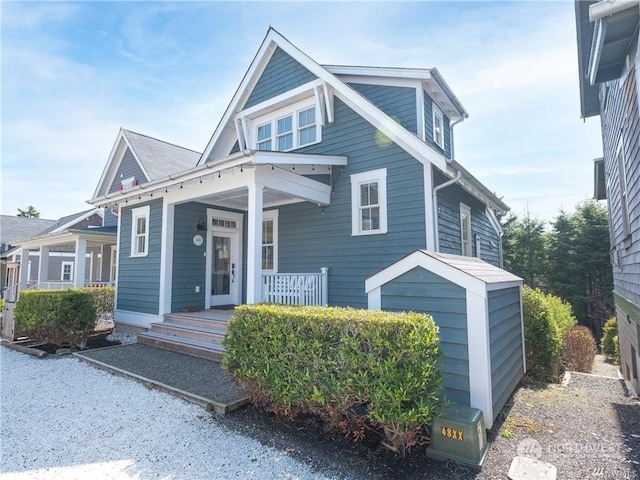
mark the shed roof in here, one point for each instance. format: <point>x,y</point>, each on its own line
<point>475,267</point>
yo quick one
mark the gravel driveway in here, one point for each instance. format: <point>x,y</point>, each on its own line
<point>61,419</point>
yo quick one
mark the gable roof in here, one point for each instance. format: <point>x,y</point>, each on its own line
<point>156,158</point>
<point>14,229</point>
<point>361,105</point>
<point>470,273</point>
<point>68,222</point>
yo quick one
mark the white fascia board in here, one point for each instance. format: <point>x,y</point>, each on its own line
<point>109,167</point>
<point>422,260</point>
<point>383,81</point>
<point>374,299</point>
<point>503,285</point>
<point>390,72</point>
<point>596,50</point>
<point>292,96</point>
<point>294,185</point>
<point>607,8</point>
<point>478,345</point>
<point>472,186</point>
<point>262,157</point>
<point>75,220</point>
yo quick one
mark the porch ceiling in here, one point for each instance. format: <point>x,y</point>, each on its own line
<point>238,198</point>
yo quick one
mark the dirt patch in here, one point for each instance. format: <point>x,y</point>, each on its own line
<point>95,341</point>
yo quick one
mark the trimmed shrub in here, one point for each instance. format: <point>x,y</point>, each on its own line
<point>61,317</point>
<point>578,349</point>
<point>546,319</point>
<point>609,342</point>
<point>357,370</point>
<point>103,300</point>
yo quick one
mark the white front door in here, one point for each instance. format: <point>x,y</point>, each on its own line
<point>224,257</point>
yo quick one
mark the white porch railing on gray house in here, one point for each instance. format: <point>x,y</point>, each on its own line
<point>296,288</point>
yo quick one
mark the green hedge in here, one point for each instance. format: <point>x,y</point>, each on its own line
<point>61,317</point>
<point>356,369</point>
<point>609,342</point>
<point>103,300</point>
<point>546,320</point>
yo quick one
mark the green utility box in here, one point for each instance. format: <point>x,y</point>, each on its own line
<point>459,435</point>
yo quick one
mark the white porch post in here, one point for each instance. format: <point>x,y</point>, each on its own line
<point>95,267</point>
<point>166,259</point>
<point>43,266</point>
<point>254,244</point>
<point>24,268</point>
<point>79,262</point>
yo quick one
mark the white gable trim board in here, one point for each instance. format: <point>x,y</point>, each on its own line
<point>478,316</point>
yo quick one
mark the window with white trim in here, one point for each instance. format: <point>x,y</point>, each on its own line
<point>369,202</point>
<point>288,128</point>
<point>270,241</point>
<point>264,137</point>
<point>66,274</point>
<point>140,231</point>
<point>622,182</point>
<point>465,229</point>
<point>438,126</point>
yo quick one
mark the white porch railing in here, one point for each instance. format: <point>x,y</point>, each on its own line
<point>296,288</point>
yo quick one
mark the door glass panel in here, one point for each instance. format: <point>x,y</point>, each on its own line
<point>221,276</point>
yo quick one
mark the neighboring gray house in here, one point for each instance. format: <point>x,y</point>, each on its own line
<point>316,179</point>
<point>609,63</point>
<point>72,251</point>
<point>12,230</point>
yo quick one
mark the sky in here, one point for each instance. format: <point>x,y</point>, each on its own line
<point>74,73</point>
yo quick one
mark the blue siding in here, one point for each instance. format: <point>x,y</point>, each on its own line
<point>397,102</point>
<point>505,333</point>
<point>428,125</point>
<point>189,261</point>
<point>129,167</point>
<point>449,200</point>
<point>423,291</point>
<point>139,277</point>
<point>309,239</point>
<point>281,74</point>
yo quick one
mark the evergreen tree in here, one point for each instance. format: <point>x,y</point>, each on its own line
<point>30,212</point>
<point>563,278</point>
<point>524,248</point>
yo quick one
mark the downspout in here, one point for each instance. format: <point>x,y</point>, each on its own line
<point>455,179</point>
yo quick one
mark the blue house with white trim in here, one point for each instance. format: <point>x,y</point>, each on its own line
<point>316,179</point>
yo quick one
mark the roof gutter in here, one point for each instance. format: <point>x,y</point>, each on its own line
<point>607,8</point>
<point>455,179</point>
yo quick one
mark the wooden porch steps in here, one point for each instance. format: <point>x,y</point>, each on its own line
<point>198,336</point>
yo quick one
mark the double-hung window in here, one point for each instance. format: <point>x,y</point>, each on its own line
<point>284,133</point>
<point>264,137</point>
<point>465,229</point>
<point>140,231</point>
<point>67,272</point>
<point>307,126</point>
<point>270,241</point>
<point>287,128</point>
<point>438,127</point>
<point>369,202</point>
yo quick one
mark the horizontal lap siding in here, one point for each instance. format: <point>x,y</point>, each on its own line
<point>422,291</point>
<point>189,261</point>
<point>428,128</point>
<point>139,277</point>
<point>397,102</point>
<point>505,332</point>
<point>309,239</point>
<point>281,74</point>
<point>129,167</point>
<point>621,122</point>
<point>449,199</point>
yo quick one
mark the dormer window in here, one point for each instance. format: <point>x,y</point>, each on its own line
<point>264,137</point>
<point>438,129</point>
<point>284,133</point>
<point>307,126</point>
<point>288,128</point>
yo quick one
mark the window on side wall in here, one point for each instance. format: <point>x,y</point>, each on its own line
<point>140,231</point>
<point>438,126</point>
<point>465,229</point>
<point>369,202</point>
<point>270,241</point>
<point>622,182</point>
